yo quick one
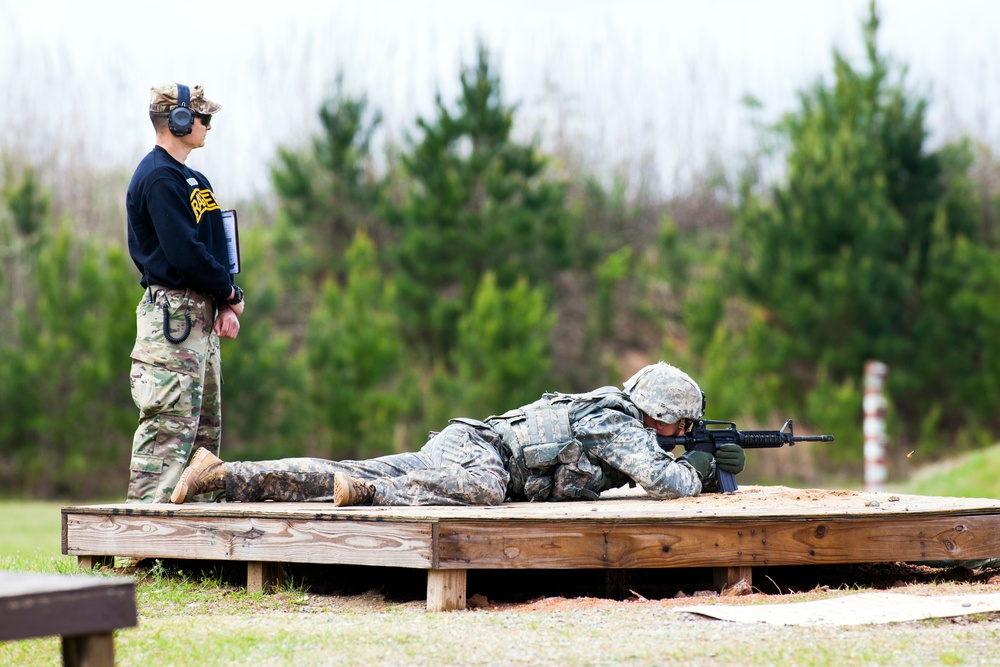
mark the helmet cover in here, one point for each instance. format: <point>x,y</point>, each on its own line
<point>665,393</point>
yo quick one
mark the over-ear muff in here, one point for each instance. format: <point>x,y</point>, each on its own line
<point>181,120</point>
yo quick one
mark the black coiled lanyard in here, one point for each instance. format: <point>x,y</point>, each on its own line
<point>165,306</point>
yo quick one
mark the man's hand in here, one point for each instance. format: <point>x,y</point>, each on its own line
<point>730,458</point>
<point>237,309</point>
<point>700,461</point>
<point>227,324</point>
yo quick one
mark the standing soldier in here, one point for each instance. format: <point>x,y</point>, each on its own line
<point>561,447</point>
<point>176,238</point>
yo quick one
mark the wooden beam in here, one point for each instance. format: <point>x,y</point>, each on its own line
<point>515,545</point>
<point>250,539</point>
<point>446,590</point>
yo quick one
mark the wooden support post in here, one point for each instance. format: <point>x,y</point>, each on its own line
<point>445,590</point>
<point>264,576</point>
<point>97,650</point>
<point>727,577</point>
<point>93,562</point>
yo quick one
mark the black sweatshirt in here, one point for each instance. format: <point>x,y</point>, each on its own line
<point>175,232</point>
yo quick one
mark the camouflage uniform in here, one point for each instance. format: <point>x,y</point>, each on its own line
<point>177,388</point>
<point>574,446</point>
<point>562,447</point>
<point>176,238</point>
<point>461,465</point>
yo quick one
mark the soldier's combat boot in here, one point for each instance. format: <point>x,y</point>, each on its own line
<point>350,491</point>
<point>204,474</point>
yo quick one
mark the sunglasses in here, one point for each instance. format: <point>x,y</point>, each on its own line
<point>684,424</point>
<point>206,118</point>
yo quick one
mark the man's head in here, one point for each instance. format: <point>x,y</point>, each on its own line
<point>665,393</point>
<point>175,107</point>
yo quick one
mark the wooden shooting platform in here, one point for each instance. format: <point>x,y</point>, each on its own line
<point>731,533</point>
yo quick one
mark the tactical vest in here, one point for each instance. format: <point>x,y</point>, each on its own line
<point>546,461</point>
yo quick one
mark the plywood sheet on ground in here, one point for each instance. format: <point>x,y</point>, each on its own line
<point>859,609</point>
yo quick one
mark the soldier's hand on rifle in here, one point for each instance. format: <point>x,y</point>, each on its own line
<point>730,458</point>
<point>700,461</point>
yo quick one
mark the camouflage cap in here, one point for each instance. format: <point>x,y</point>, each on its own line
<point>665,393</point>
<point>163,98</point>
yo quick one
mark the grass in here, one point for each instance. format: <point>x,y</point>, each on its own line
<point>30,534</point>
<point>972,475</point>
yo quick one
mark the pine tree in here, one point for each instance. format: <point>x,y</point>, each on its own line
<point>330,190</point>
<point>503,348</point>
<point>848,258</point>
<point>355,354</point>
<point>476,201</point>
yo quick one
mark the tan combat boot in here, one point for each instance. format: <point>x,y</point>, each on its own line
<point>350,491</point>
<point>205,473</point>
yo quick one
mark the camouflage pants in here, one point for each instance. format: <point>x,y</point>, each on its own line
<point>177,388</point>
<point>458,466</point>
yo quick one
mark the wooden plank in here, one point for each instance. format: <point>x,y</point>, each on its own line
<point>250,539</point>
<point>40,605</point>
<point>512,545</point>
<point>446,590</point>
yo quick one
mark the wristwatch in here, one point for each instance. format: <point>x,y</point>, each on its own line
<point>237,297</point>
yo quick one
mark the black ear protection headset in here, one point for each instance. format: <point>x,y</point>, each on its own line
<point>181,120</point>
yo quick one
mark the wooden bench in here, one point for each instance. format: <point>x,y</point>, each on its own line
<point>84,610</point>
<point>730,533</point>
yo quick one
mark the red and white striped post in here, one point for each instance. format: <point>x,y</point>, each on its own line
<point>874,426</point>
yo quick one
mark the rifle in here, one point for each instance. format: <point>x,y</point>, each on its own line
<point>706,435</point>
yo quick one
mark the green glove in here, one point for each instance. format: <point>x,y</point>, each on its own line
<point>730,458</point>
<point>700,461</point>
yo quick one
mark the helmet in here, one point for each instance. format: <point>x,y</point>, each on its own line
<point>665,393</point>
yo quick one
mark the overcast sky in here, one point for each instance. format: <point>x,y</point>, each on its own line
<point>621,80</point>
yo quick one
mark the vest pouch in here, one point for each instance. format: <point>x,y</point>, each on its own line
<point>535,436</point>
<point>538,488</point>
<point>576,477</point>
<point>544,454</point>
